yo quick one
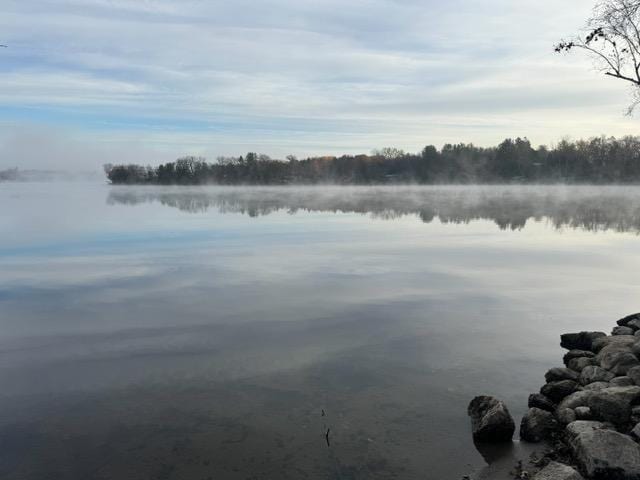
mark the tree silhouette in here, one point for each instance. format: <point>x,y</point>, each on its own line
<point>612,38</point>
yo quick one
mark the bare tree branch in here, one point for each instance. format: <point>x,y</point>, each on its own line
<point>612,38</point>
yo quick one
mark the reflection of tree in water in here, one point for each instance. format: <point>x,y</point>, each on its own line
<point>593,209</point>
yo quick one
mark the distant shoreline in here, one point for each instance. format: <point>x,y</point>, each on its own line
<point>597,161</point>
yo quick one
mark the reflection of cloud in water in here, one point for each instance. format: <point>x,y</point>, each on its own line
<point>590,208</point>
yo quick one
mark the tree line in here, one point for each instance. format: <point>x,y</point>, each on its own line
<point>598,160</point>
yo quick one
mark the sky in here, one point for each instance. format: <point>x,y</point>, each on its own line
<point>85,82</point>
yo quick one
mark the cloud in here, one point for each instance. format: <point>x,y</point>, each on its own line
<point>302,77</point>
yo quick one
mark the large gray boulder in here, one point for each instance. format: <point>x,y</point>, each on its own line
<point>577,354</point>
<point>634,374</point>
<point>593,374</point>
<point>580,340</point>
<point>611,404</point>
<point>605,454</point>
<point>557,471</point>
<point>566,415</point>
<point>622,331</point>
<point>537,400</point>
<point>557,374</point>
<point>578,364</point>
<point>537,425</point>
<point>621,382</point>
<point>619,340</point>
<point>634,324</point>
<point>556,391</point>
<point>597,386</point>
<point>581,398</point>
<point>623,322</point>
<point>619,362</point>
<point>491,421</point>
<point>580,426</point>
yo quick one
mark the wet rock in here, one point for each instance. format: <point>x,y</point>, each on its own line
<point>537,400</point>
<point>557,471</point>
<point>577,399</point>
<point>622,331</point>
<point>611,404</point>
<point>619,363</point>
<point>579,341</point>
<point>605,454</point>
<point>491,421</point>
<point>597,386</point>
<point>635,414</point>
<point>556,391</point>
<point>593,374</point>
<point>614,404</point>
<point>580,363</point>
<point>566,415</point>
<point>537,425</point>
<point>621,382</point>
<point>583,413</point>
<point>577,354</point>
<point>623,322</point>
<point>557,374</point>
<point>580,426</point>
<point>634,374</point>
<point>620,340</point>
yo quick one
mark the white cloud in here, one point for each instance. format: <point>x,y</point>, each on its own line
<point>299,76</point>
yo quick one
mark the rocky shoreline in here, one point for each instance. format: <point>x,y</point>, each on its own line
<point>586,417</point>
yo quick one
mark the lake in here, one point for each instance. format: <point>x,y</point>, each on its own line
<point>219,333</point>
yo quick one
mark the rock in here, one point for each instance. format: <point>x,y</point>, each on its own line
<point>557,471</point>
<point>623,322</point>
<point>635,348</point>
<point>597,386</point>
<point>637,334</point>
<point>593,374</point>
<point>579,341</point>
<point>622,331</point>
<point>566,415</point>
<point>576,354</point>
<point>635,414</point>
<point>580,398</point>
<point>537,400</point>
<point>556,391</point>
<point>619,363</point>
<point>635,324</point>
<point>621,382</point>
<point>634,374</point>
<point>491,421</point>
<point>635,431</point>
<point>580,426</point>
<point>578,364</point>
<point>557,374</point>
<point>605,454</point>
<point>625,346</point>
<point>611,404</point>
<point>537,425</point>
<point>614,404</point>
<point>583,413</point>
<point>601,342</point>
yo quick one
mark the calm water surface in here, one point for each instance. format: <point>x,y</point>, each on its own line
<point>199,333</point>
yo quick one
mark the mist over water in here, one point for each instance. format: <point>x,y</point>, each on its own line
<point>200,332</point>
<point>591,208</point>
